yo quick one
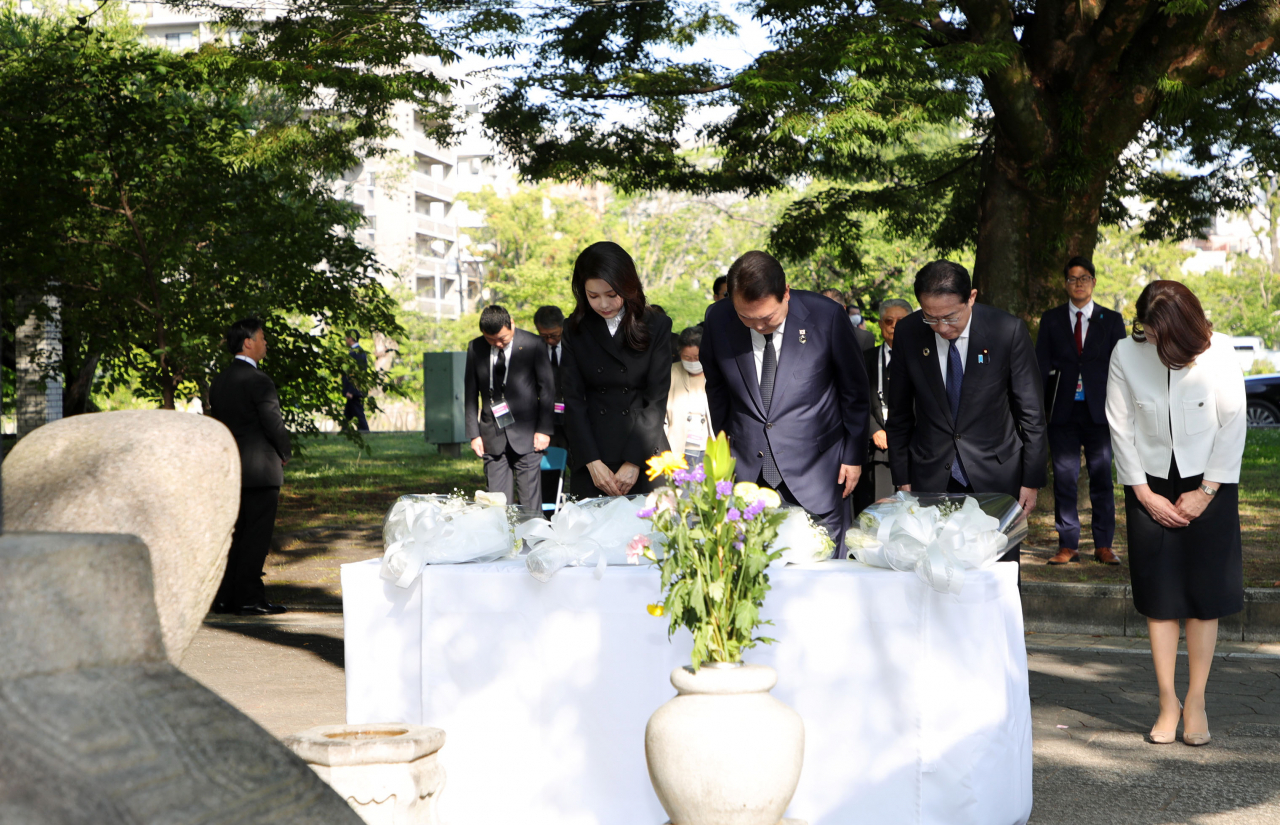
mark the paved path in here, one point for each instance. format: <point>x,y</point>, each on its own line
<point>1092,698</point>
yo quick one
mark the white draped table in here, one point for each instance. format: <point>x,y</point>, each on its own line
<point>915,703</point>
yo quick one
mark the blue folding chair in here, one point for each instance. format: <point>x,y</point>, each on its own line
<point>554,460</point>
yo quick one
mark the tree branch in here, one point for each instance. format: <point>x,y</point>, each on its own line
<point>1234,39</point>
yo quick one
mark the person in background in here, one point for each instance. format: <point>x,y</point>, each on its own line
<point>508,405</point>
<point>719,289</point>
<point>877,479</point>
<point>1176,406</point>
<point>617,373</point>
<point>866,339</point>
<point>783,383</point>
<point>964,396</point>
<point>1074,350</point>
<point>688,416</point>
<point>549,321</point>
<point>244,398</point>
<point>354,408</point>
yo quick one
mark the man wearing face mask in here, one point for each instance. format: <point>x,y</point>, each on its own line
<point>688,422</point>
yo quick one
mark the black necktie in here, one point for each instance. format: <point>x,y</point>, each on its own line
<point>500,375</point>
<point>555,358</point>
<point>768,372</point>
<point>955,379</point>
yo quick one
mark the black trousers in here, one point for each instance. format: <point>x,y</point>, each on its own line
<point>1065,442</point>
<point>510,471</point>
<point>837,521</point>
<point>355,409</point>
<point>250,543</point>
<point>1014,553</point>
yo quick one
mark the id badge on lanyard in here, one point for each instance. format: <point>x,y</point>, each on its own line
<point>502,414</point>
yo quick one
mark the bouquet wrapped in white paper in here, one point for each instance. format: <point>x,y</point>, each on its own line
<point>599,531</point>
<point>937,535</point>
<point>801,539</point>
<point>436,529</point>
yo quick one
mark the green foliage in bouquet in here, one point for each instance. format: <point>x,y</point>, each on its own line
<point>719,539</point>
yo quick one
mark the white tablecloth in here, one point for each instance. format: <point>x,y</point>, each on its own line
<point>915,703</point>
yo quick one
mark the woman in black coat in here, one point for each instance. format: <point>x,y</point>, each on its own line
<point>617,372</point>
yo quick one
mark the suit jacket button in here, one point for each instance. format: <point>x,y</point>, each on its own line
<point>624,369</point>
<point>602,411</point>
<point>599,369</point>
<point>769,426</point>
<point>760,454</point>
<point>624,412</point>
<point>957,436</point>
<point>948,467</point>
<point>1202,403</point>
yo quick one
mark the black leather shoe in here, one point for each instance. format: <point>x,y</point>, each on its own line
<point>221,608</point>
<point>262,608</point>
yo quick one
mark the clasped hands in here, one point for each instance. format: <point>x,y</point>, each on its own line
<point>1189,506</point>
<point>614,484</point>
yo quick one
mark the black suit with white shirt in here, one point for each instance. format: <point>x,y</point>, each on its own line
<point>527,386</point>
<point>998,433</point>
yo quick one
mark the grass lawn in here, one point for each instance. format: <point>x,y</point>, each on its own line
<point>335,496</point>
<point>1259,524</point>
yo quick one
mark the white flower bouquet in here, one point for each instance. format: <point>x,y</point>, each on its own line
<point>939,536</point>
<point>438,529</point>
<point>801,539</point>
<point>599,531</point>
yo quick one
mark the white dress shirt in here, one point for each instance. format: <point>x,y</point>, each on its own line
<point>616,321</point>
<point>757,346</point>
<point>247,360</point>
<point>506,362</point>
<point>1196,413</point>
<point>961,344</point>
<point>1087,309</point>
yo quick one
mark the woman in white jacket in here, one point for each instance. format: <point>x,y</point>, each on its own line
<point>1176,406</point>
<point>688,415</point>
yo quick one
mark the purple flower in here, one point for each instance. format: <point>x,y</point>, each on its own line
<point>646,512</point>
<point>680,476</point>
<point>738,546</point>
<point>754,510</point>
<point>698,474</point>
<point>733,514</point>
<point>724,488</point>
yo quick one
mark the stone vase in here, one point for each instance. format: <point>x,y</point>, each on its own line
<point>724,751</point>
<point>389,774</point>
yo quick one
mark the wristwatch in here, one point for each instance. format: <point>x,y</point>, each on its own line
<point>1207,490</point>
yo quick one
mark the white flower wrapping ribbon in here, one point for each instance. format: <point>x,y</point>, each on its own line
<point>902,534</point>
<point>800,540</point>
<point>597,530</point>
<point>422,530</point>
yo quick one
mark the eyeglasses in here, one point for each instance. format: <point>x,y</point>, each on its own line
<point>953,321</point>
<point>1084,279</point>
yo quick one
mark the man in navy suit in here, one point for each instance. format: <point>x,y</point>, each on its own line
<point>966,414</point>
<point>785,382</point>
<point>1074,350</point>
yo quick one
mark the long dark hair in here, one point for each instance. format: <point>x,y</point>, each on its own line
<point>611,263</point>
<point>1172,313</point>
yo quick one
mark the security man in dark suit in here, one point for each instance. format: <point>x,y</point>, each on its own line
<point>244,398</point>
<point>510,396</point>
<point>877,479</point>
<point>354,407</point>
<point>866,338</point>
<point>549,321</point>
<point>785,381</point>
<point>965,396</point>
<point>1074,351</point>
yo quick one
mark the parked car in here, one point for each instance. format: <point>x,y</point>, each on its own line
<point>1262,398</point>
<point>1251,349</point>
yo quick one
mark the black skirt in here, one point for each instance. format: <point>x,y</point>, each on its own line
<point>1193,572</point>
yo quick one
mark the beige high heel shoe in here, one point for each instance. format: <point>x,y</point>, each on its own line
<point>1196,739</point>
<point>1165,737</point>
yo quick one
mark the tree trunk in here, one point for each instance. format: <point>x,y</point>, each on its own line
<point>75,400</point>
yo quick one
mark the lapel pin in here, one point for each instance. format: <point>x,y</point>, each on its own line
<point>926,352</point>
<point>802,338</point>
<point>982,358</point>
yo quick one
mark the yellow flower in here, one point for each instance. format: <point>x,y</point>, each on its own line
<point>666,464</point>
<point>746,491</point>
<point>770,498</point>
<point>655,609</point>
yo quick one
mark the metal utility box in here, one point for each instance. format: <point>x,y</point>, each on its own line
<point>442,391</point>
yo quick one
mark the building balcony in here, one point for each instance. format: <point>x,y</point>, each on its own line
<point>431,227</point>
<point>431,187</point>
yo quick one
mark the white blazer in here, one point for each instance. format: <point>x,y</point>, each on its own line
<point>1204,402</point>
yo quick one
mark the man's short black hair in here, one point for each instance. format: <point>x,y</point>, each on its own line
<point>723,280</point>
<point>548,317</point>
<point>494,319</point>
<point>1082,262</point>
<point>353,334</point>
<point>242,331</point>
<point>943,278</point>
<point>755,275</point>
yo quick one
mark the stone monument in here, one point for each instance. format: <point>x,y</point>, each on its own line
<point>170,478</point>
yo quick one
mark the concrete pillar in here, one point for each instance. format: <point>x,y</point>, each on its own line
<point>38,350</point>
